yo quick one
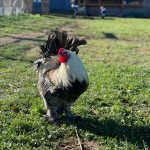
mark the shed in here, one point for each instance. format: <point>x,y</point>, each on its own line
<point>46,6</point>
<point>117,7</point>
<point>37,6</point>
<point>60,6</point>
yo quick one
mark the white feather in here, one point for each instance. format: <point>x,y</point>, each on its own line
<point>68,72</point>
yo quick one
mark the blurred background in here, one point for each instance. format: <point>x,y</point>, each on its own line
<point>133,8</point>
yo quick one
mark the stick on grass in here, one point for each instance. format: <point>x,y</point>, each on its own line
<point>79,141</point>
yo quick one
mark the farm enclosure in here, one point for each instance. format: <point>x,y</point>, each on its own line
<point>115,109</point>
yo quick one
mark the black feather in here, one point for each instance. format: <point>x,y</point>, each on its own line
<point>57,40</point>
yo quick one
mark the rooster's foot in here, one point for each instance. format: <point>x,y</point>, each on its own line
<point>55,121</point>
<point>51,120</point>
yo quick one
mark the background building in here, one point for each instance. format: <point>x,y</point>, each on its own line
<point>47,6</point>
<point>134,8</point>
<point>137,8</point>
<point>60,6</point>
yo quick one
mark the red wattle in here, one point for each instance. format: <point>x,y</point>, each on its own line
<point>63,58</point>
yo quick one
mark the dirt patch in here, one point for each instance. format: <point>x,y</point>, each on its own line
<point>20,37</point>
<point>35,36</point>
<point>73,144</point>
<point>69,28</point>
<point>92,145</point>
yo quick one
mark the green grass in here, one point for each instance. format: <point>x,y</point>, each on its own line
<point>115,111</point>
<point>29,23</point>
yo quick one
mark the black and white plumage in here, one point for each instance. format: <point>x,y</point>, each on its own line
<point>62,76</point>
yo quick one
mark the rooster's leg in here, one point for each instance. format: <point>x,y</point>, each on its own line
<point>52,115</point>
<point>69,114</point>
<point>51,109</point>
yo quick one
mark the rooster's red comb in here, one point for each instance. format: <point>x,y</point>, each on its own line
<point>60,50</point>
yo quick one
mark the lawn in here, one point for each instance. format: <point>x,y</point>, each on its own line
<point>115,110</point>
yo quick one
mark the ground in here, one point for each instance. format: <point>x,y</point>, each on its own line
<point>115,110</point>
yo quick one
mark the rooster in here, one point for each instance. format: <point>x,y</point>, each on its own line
<point>62,76</point>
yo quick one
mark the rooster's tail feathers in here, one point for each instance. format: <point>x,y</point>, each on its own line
<point>58,40</point>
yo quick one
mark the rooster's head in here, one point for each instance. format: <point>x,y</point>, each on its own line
<point>64,55</point>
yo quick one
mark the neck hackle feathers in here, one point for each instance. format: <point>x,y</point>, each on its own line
<point>57,40</point>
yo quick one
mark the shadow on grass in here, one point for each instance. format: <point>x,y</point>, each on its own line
<point>110,36</point>
<point>16,59</point>
<point>13,40</point>
<point>96,17</point>
<point>109,128</point>
<point>28,39</point>
<point>79,16</point>
<point>53,15</point>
